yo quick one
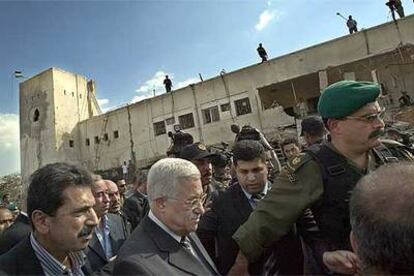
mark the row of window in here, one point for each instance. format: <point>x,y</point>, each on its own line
<point>73,94</point>
<point>97,139</point>
<point>210,115</point>
<point>186,121</point>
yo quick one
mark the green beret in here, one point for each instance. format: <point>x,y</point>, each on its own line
<point>345,97</point>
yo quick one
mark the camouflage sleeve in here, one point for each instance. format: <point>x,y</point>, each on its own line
<point>293,192</point>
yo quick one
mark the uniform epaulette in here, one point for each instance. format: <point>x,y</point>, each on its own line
<point>293,165</point>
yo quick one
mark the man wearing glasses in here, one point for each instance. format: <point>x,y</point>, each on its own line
<point>322,179</point>
<point>122,188</point>
<point>164,243</point>
<point>6,219</point>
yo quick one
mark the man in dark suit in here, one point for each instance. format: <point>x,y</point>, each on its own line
<point>60,207</point>
<point>110,232</point>
<point>115,205</point>
<point>18,231</point>
<point>136,206</point>
<point>164,243</point>
<point>232,207</point>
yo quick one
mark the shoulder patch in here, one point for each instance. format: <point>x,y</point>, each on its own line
<point>292,166</point>
<point>298,161</point>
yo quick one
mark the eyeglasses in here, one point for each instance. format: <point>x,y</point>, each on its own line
<point>195,202</point>
<point>368,118</point>
<point>6,221</point>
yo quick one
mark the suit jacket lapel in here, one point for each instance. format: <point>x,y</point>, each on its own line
<point>113,234</point>
<point>241,203</point>
<point>202,252</point>
<point>185,261</point>
<point>177,255</point>
<point>29,264</point>
<point>96,246</point>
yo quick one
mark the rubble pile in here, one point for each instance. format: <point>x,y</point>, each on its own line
<point>11,184</point>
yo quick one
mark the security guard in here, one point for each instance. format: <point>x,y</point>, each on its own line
<point>198,154</point>
<point>322,178</point>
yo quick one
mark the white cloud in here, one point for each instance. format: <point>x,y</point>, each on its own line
<point>186,82</point>
<point>139,98</point>
<point>9,143</point>
<point>103,103</point>
<point>265,18</point>
<point>156,83</point>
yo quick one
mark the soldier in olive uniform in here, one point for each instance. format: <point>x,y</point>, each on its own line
<point>322,178</point>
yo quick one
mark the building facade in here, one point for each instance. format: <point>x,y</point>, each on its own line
<point>60,119</point>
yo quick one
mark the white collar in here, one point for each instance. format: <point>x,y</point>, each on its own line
<point>24,213</point>
<point>164,227</point>
<point>249,195</point>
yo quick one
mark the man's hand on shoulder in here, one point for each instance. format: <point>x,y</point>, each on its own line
<point>240,265</point>
<point>341,261</point>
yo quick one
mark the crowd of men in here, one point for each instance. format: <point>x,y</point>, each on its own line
<point>341,205</point>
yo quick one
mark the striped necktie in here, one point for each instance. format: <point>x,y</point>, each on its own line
<point>256,198</point>
<point>185,242</point>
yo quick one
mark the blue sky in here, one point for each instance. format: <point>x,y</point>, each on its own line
<point>128,46</point>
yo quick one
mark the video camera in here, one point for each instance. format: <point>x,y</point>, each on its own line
<point>179,139</point>
<point>246,133</point>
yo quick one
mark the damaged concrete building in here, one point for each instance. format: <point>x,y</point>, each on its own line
<point>60,119</point>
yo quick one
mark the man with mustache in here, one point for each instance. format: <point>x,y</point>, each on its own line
<point>122,188</point>
<point>115,205</point>
<point>6,219</point>
<point>110,232</point>
<point>60,207</point>
<point>164,243</point>
<point>198,154</point>
<point>322,178</point>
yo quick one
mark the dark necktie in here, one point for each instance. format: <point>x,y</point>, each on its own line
<point>186,244</point>
<point>256,198</point>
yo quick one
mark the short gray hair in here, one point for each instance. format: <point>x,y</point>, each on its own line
<point>165,176</point>
<point>382,211</point>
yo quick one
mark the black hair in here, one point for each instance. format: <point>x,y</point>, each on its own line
<point>289,141</point>
<point>48,183</point>
<point>248,150</point>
